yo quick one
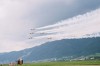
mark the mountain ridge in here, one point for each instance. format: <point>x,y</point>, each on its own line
<point>55,49</point>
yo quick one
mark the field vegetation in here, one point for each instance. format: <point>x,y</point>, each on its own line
<point>62,63</point>
<point>66,63</point>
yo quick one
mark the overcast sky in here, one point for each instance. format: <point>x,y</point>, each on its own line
<point>17,17</point>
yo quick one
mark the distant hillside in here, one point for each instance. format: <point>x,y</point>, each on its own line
<point>66,47</point>
<point>56,49</point>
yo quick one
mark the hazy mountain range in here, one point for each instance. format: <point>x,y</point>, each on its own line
<point>55,49</point>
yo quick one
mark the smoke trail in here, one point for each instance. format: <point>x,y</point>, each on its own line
<point>81,26</point>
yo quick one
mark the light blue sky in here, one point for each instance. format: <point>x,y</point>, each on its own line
<point>17,17</point>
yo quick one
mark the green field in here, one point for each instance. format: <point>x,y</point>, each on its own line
<point>63,63</point>
<point>67,63</point>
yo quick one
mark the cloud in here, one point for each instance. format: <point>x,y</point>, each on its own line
<point>15,22</point>
<point>81,26</point>
<point>14,25</point>
<point>54,11</point>
<point>10,45</point>
<point>18,16</point>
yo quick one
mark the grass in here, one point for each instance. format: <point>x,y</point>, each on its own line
<point>67,63</point>
<point>64,63</point>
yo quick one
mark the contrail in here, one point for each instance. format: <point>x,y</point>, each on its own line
<point>81,26</point>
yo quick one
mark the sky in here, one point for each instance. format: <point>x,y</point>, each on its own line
<point>17,17</point>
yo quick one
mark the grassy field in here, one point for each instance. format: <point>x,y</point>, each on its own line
<point>67,63</point>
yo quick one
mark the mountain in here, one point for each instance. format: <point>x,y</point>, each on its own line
<point>55,49</point>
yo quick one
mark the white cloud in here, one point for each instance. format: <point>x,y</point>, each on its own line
<point>14,25</point>
<point>9,45</point>
<point>81,26</point>
<point>18,16</point>
<point>15,22</point>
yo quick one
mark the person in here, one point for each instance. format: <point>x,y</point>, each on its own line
<point>20,61</point>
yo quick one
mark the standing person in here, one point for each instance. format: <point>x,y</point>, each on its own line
<point>20,61</point>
